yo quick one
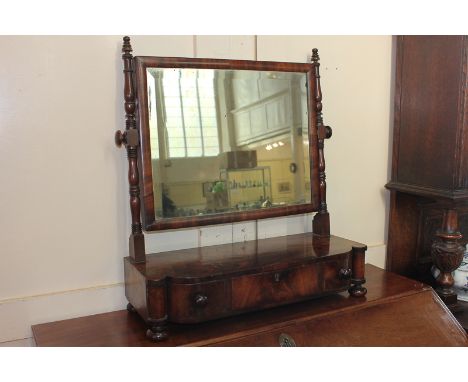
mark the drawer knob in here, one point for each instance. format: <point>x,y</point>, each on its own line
<point>345,273</point>
<point>201,299</point>
<point>277,277</point>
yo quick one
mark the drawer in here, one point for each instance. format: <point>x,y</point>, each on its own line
<point>190,303</point>
<point>275,288</point>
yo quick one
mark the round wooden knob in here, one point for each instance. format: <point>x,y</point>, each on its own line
<point>328,132</point>
<point>119,138</point>
<point>201,299</point>
<point>345,274</point>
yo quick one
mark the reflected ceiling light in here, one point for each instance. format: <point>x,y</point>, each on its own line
<point>274,145</point>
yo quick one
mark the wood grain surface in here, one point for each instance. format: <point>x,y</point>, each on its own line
<point>396,311</point>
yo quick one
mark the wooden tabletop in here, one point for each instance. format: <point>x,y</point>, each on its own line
<point>122,328</point>
<point>253,256</point>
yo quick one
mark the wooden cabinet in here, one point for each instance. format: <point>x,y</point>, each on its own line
<point>396,312</point>
<point>429,185</point>
<point>372,326</point>
<point>203,284</point>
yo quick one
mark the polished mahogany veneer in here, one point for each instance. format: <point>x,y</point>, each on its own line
<point>200,284</point>
<point>334,320</point>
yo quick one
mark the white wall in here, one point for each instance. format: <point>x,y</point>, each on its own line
<point>356,77</point>
<point>64,218</point>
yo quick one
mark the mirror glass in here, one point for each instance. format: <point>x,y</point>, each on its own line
<point>227,140</point>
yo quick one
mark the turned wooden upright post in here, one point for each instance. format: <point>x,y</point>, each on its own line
<point>130,139</point>
<point>447,254</point>
<point>358,268</point>
<point>321,222</point>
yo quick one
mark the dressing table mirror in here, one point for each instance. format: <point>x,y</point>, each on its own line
<point>220,141</point>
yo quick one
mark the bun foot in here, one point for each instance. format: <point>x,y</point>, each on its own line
<point>158,330</point>
<point>357,290</point>
<point>131,308</point>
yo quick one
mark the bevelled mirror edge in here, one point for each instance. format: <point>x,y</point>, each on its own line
<point>150,221</point>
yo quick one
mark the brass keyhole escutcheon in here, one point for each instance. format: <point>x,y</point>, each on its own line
<point>286,341</point>
<point>201,299</point>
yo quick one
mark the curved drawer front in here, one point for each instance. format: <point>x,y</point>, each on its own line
<point>281,287</point>
<point>274,288</point>
<point>198,302</point>
<point>191,303</point>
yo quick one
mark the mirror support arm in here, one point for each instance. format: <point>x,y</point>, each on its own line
<point>321,222</point>
<point>130,139</point>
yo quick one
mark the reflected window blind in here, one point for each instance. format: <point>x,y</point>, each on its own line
<point>190,110</point>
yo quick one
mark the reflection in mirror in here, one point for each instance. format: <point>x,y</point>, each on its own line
<point>227,140</point>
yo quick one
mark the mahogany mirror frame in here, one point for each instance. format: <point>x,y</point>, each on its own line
<point>136,138</point>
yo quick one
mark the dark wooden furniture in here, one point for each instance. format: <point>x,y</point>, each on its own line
<point>200,284</point>
<point>429,185</point>
<point>396,312</point>
<point>203,284</point>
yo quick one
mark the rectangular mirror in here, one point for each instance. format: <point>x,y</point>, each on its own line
<point>223,144</point>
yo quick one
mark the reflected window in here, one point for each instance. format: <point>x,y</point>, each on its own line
<point>190,111</point>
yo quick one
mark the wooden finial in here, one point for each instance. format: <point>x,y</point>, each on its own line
<point>127,47</point>
<point>315,56</point>
<point>318,89</point>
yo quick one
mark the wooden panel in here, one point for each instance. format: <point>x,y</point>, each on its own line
<point>402,234</point>
<point>272,288</point>
<point>157,301</point>
<point>426,323</point>
<point>462,175</point>
<point>135,288</point>
<point>198,302</point>
<point>428,83</point>
<point>412,227</point>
